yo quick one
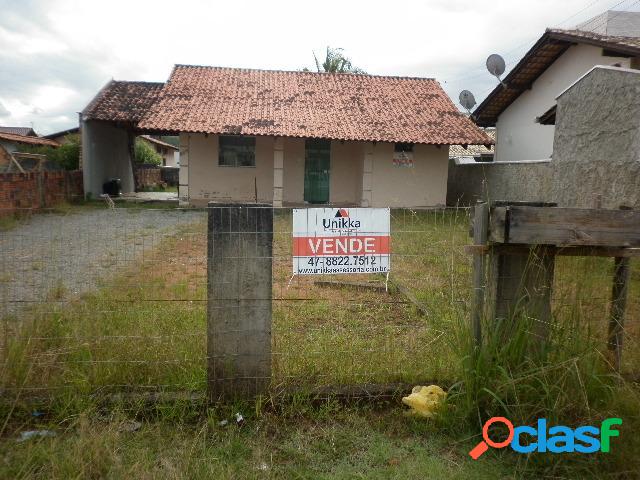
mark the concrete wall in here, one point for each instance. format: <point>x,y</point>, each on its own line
<point>423,185</point>
<point>519,137</point>
<point>597,144</point>
<point>526,181</point>
<point>208,181</point>
<point>105,155</point>
<point>596,156</point>
<point>346,173</point>
<point>293,170</point>
<point>202,179</point>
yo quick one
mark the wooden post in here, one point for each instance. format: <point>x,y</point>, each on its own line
<point>521,281</point>
<point>621,275</point>
<point>522,286</point>
<point>240,251</point>
<point>621,272</point>
<point>480,227</point>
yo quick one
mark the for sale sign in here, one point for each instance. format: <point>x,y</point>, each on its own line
<point>341,240</point>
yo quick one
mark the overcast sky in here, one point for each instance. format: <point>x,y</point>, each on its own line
<point>56,54</point>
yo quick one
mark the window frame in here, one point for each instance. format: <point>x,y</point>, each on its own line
<point>403,147</point>
<point>251,139</point>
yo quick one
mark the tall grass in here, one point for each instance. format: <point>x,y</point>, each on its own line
<point>567,378</point>
<point>147,329</point>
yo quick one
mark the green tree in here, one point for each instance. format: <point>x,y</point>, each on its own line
<point>66,156</point>
<point>335,62</point>
<point>145,153</point>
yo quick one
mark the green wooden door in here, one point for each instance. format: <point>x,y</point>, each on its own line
<point>317,161</point>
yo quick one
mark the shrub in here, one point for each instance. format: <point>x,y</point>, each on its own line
<point>144,153</point>
<point>66,156</point>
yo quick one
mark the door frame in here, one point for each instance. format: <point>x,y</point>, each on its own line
<point>326,172</point>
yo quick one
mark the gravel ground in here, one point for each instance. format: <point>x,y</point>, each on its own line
<point>50,252</point>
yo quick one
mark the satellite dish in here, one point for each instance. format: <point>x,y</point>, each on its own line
<point>467,100</point>
<point>496,65</point>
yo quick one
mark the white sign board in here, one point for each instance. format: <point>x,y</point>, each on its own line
<point>341,240</point>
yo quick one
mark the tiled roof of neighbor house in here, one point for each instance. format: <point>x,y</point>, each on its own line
<point>149,138</point>
<point>308,104</point>
<point>547,49</point>
<point>27,140</point>
<point>62,133</point>
<point>26,131</point>
<point>120,101</point>
<point>473,150</point>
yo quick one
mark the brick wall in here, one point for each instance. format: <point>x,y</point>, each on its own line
<point>35,190</point>
<point>146,177</point>
<point>170,175</point>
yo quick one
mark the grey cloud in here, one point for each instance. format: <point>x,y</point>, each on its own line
<point>3,111</point>
<point>74,68</point>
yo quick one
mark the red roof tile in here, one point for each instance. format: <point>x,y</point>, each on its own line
<point>306,104</point>
<point>149,138</point>
<point>26,131</point>
<point>120,101</point>
<point>28,140</point>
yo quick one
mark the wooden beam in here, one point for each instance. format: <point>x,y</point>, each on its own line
<point>421,307</point>
<point>562,251</point>
<point>498,227</point>
<point>571,226</point>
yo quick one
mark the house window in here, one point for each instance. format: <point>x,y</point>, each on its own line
<point>403,147</point>
<point>237,151</point>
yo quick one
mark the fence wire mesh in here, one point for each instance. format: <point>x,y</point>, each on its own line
<point>98,300</point>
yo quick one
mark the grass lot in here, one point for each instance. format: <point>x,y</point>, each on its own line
<point>145,331</point>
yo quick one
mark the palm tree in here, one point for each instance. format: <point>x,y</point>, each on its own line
<point>335,62</point>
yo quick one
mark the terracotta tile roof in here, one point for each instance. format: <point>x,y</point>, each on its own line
<point>541,56</point>
<point>26,131</point>
<point>120,101</point>
<point>307,104</point>
<point>61,133</point>
<point>473,150</point>
<point>27,140</point>
<point>149,138</point>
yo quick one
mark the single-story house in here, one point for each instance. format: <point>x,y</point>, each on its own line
<point>474,153</point>
<point>517,107</point>
<point>24,131</point>
<point>170,153</point>
<point>285,137</point>
<point>63,136</point>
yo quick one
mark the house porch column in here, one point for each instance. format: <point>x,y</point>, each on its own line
<point>367,175</point>
<point>278,171</point>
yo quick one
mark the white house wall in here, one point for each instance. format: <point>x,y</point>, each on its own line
<point>209,181</point>
<point>202,180</point>
<point>519,137</point>
<point>105,155</point>
<point>423,185</point>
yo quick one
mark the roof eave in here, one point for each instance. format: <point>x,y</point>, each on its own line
<point>470,141</point>
<point>549,35</point>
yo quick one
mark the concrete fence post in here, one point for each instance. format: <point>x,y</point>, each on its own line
<point>240,251</point>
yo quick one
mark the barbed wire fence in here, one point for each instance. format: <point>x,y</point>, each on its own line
<point>99,301</point>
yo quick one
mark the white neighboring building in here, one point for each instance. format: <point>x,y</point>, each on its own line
<point>555,62</point>
<point>170,153</point>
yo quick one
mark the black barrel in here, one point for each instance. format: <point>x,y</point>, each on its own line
<point>112,187</point>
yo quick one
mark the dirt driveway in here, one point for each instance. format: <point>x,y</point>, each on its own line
<point>51,253</point>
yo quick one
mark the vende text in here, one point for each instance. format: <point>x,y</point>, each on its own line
<point>344,245</point>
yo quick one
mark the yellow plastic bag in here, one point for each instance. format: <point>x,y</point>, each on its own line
<point>425,401</point>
